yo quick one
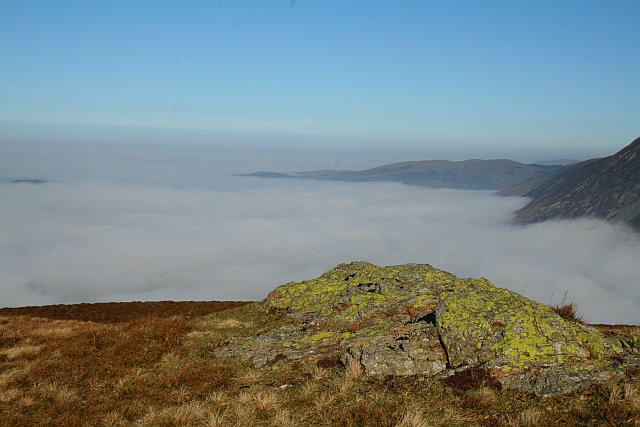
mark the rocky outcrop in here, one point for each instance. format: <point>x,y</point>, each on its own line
<point>415,319</point>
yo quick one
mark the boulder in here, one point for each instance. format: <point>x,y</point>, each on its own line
<point>415,319</point>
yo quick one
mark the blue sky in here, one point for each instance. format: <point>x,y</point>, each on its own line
<point>392,75</point>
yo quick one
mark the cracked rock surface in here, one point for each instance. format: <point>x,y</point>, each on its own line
<point>415,319</point>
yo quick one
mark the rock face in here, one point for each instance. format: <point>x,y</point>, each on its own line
<point>607,188</point>
<point>414,319</point>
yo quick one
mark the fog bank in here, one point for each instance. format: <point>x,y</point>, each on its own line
<point>188,230</point>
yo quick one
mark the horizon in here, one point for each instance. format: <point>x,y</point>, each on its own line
<point>377,151</point>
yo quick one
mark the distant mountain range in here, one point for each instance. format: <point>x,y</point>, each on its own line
<point>467,175</point>
<point>607,188</point>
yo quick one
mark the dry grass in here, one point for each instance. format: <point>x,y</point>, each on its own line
<point>353,369</point>
<point>230,324</point>
<point>412,418</point>
<point>159,371</point>
<point>122,312</point>
<point>472,378</point>
<point>568,311</point>
<point>481,397</point>
<point>20,350</point>
<point>530,417</point>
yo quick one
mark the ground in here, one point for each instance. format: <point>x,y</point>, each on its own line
<point>159,371</point>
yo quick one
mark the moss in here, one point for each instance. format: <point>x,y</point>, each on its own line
<point>425,301</point>
<point>531,332</point>
<point>367,304</point>
<point>325,295</point>
<point>320,336</point>
<point>616,346</point>
<point>347,335</point>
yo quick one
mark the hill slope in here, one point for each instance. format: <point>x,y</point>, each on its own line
<point>527,187</point>
<point>161,371</point>
<point>607,188</point>
<point>468,175</point>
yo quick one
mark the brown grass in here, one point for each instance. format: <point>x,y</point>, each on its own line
<point>160,371</point>
<point>472,378</point>
<point>568,311</point>
<point>118,312</point>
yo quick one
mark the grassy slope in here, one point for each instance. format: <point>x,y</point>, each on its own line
<point>158,371</point>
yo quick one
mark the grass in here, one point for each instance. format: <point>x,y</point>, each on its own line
<point>472,379</point>
<point>160,371</point>
<point>568,311</point>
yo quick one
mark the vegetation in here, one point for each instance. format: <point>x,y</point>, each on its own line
<point>159,371</point>
<point>118,312</point>
<point>568,310</point>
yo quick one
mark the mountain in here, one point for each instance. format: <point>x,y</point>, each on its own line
<point>528,185</point>
<point>607,188</point>
<point>468,175</point>
<point>555,162</point>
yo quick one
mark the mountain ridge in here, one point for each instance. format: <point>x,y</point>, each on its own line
<point>473,174</point>
<point>606,188</point>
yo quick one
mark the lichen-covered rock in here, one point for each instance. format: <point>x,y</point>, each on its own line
<point>550,380</point>
<point>406,350</point>
<point>479,322</point>
<point>415,319</point>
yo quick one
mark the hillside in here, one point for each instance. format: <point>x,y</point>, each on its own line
<point>607,188</point>
<point>160,372</point>
<point>526,188</point>
<point>468,175</point>
<point>166,371</point>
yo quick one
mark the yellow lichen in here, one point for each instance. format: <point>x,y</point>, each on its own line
<point>320,336</point>
<point>531,332</point>
<point>477,321</point>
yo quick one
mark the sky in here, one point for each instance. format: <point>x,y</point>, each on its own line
<point>478,78</point>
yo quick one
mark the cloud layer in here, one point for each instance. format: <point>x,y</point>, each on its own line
<point>88,240</point>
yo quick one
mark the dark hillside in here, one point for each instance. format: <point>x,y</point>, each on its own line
<point>528,187</point>
<point>607,188</point>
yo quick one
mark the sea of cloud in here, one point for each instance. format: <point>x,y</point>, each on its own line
<point>130,224</point>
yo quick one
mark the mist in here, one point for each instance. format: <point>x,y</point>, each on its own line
<point>132,224</point>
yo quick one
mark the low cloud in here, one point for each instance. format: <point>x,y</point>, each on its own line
<point>89,240</point>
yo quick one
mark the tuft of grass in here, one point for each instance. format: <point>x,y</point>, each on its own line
<point>568,311</point>
<point>530,417</point>
<point>353,369</point>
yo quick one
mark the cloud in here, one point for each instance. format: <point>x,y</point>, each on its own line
<point>88,240</point>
